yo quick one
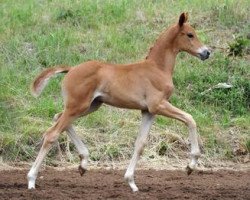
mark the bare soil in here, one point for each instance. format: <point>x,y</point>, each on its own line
<point>109,184</point>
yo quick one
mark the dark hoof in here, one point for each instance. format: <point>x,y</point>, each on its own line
<point>81,170</point>
<point>189,170</point>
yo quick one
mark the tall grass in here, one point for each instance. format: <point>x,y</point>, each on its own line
<point>39,34</point>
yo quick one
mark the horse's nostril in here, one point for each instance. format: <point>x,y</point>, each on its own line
<point>204,55</point>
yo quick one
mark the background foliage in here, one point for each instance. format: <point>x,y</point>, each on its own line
<point>35,34</point>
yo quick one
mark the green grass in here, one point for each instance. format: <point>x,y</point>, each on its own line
<point>39,34</point>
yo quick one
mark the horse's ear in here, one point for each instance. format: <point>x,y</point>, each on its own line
<point>183,19</point>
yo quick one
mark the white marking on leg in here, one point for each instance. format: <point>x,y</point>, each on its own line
<point>81,148</point>
<point>32,175</point>
<point>49,138</point>
<point>195,150</point>
<point>31,178</point>
<point>147,120</point>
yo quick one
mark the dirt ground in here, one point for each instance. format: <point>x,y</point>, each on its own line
<point>109,184</point>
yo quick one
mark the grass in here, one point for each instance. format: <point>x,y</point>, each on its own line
<point>39,34</point>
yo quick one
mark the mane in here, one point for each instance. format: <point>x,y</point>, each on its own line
<point>162,34</point>
<point>151,47</point>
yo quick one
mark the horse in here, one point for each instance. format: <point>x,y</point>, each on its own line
<point>146,86</point>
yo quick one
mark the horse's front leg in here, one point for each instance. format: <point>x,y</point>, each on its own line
<point>168,110</point>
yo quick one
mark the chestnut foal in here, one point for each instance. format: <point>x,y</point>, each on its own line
<point>146,86</point>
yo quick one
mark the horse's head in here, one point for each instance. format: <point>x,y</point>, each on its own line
<point>187,40</point>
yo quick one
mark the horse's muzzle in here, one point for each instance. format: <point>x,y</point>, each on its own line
<point>204,54</point>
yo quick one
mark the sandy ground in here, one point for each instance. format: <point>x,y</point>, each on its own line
<point>106,182</point>
<point>156,179</point>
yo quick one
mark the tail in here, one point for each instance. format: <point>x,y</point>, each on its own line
<point>43,78</point>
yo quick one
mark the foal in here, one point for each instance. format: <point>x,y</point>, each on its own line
<point>146,86</point>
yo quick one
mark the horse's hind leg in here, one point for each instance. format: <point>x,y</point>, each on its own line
<point>50,136</point>
<point>80,146</point>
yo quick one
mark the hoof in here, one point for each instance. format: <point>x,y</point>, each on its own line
<point>189,170</point>
<point>81,170</point>
<point>135,189</point>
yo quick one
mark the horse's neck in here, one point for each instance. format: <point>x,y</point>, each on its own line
<point>163,52</point>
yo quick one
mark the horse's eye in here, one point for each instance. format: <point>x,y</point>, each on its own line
<point>190,35</point>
